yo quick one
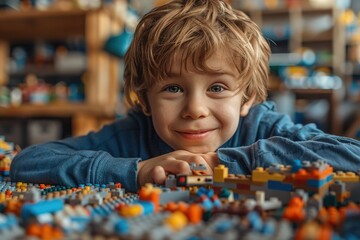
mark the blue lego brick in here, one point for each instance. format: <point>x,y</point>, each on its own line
<point>296,166</point>
<point>7,221</point>
<point>207,204</point>
<point>269,228</point>
<point>255,221</point>
<point>330,178</point>
<point>318,183</point>
<point>121,226</point>
<point>204,191</point>
<point>276,185</point>
<point>48,206</point>
<point>315,183</point>
<point>99,211</point>
<point>148,207</point>
<point>223,226</point>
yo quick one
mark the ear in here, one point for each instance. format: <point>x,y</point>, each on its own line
<point>245,108</point>
<point>145,110</point>
<point>144,106</point>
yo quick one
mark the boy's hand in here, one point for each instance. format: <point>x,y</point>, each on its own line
<point>156,169</point>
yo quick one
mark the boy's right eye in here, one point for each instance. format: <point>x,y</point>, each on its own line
<point>173,89</point>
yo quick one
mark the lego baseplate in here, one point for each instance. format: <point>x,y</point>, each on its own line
<point>304,201</point>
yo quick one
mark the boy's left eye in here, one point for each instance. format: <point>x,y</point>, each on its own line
<point>173,89</point>
<point>216,88</point>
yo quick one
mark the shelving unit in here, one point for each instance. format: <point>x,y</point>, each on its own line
<point>297,28</point>
<point>353,77</point>
<point>101,74</point>
<point>331,97</point>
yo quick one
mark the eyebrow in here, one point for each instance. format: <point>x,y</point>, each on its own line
<point>178,74</point>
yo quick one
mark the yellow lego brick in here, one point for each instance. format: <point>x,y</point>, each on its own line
<point>346,176</point>
<point>176,221</point>
<point>2,197</point>
<point>4,145</point>
<point>276,176</point>
<point>262,175</point>
<point>220,173</point>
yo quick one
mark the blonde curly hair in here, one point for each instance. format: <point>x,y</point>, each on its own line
<point>196,29</point>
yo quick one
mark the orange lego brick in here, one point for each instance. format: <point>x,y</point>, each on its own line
<point>313,230</point>
<point>194,213</point>
<point>306,174</point>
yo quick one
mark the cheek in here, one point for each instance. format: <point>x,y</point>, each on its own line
<point>229,115</point>
<point>158,116</point>
<point>161,119</point>
<point>158,123</point>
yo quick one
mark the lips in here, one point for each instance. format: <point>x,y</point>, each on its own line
<point>195,134</point>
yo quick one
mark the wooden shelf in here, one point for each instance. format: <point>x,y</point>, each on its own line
<point>36,24</point>
<point>275,11</point>
<point>312,91</point>
<point>46,71</point>
<point>65,109</point>
<point>317,37</point>
<point>316,10</point>
<point>9,15</point>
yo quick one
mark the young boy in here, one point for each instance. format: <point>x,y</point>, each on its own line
<point>196,76</point>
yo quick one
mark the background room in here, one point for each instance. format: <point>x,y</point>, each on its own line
<point>61,63</point>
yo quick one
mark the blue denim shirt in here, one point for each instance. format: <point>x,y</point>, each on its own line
<point>263,137</point>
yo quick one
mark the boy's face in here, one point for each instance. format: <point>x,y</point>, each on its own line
<point>197,111</point>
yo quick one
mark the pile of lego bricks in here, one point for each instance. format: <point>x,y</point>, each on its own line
<point>303,201</point>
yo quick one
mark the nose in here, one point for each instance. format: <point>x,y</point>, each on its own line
<point>195,107</point>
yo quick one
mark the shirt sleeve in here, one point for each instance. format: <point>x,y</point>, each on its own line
<point>267,137</point>
<point>56,163</point>
<point>110,155</point>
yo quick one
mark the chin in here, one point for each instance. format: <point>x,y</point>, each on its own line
<point>199,150</point>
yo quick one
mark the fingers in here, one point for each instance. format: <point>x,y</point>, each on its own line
<point>176,166</point>
<point>158,175</point>
<point>199,159</point>
<point>155,169</point>
<point>170,165</point>
<point>209,160</point>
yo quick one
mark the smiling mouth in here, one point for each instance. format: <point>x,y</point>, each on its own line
<point>195,135</point>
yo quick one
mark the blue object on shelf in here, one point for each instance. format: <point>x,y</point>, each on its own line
<point>118,45</point>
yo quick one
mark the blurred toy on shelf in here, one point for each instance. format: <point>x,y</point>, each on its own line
<point>52,4</point>
<point>286,4</point>
<point>302,77</point>
<point>36,91</point>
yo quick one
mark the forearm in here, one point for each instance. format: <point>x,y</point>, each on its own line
<point>341,153</point>
<point>55,163</point>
